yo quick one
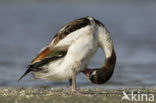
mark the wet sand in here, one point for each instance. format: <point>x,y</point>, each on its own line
<point>56,95</point>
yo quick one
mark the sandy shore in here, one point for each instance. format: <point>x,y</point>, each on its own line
<point>56,95</point>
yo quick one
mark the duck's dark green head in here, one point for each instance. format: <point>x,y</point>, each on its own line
<point>98,76</point>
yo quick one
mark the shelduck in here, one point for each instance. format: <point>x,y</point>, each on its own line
<point>70,52</point>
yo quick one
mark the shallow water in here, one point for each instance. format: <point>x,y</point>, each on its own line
<point>26,28</point>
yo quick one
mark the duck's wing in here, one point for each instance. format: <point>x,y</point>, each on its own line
<point>35,66</point>
<point>64,38</point>
<point>51,57</point>
<point>69,33</point>
<point>69,28</point>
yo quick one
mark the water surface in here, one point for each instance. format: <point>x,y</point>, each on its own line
<point>26,28</point>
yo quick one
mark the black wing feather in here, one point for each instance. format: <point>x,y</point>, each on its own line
<point>36,66</point>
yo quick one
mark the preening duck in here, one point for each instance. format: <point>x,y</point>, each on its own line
<point>70,51</point>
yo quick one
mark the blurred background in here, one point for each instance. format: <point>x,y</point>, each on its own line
<point>26,26</point>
